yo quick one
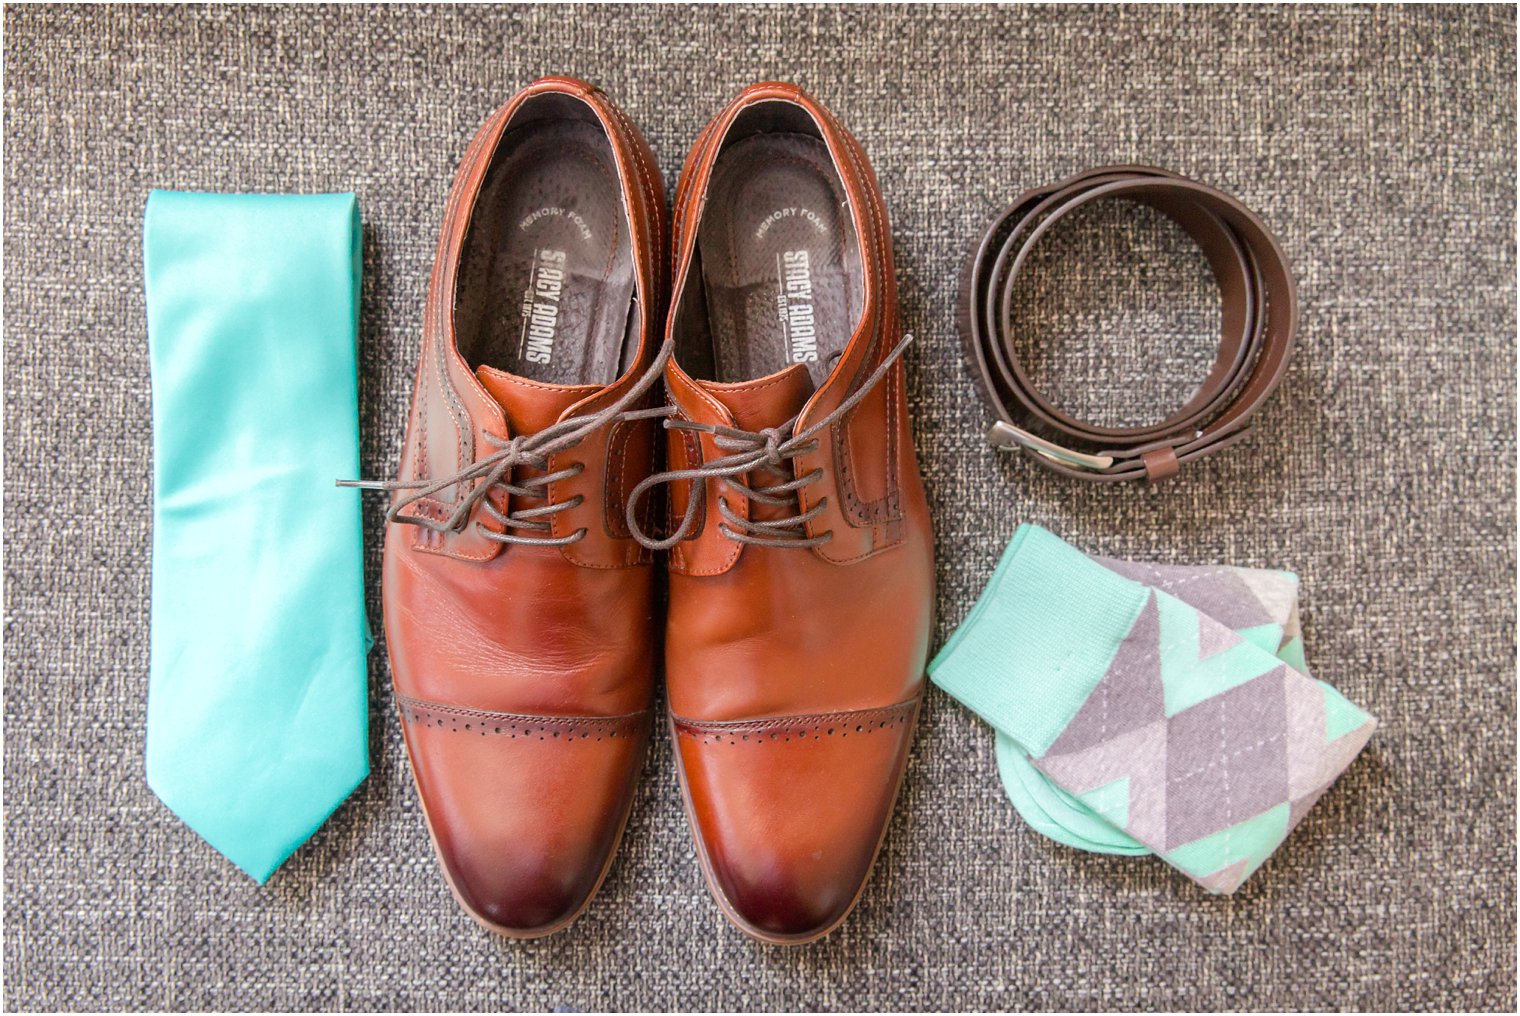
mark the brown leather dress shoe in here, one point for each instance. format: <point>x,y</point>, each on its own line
<point>519,612</point>
<point>801,559</point>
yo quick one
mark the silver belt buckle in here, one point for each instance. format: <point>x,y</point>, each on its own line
<point>1005,435</point>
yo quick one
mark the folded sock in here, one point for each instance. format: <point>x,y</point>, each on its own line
<point>1150,709</point>
<point>1258,604</point>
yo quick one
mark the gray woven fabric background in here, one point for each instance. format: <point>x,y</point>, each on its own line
<point>1378,144</point>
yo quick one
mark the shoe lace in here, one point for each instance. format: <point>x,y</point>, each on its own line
<point>769,448</point>
<point>494,471</point>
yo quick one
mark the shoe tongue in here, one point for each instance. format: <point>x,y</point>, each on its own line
<point>766,402</point>
<point>530,405</point>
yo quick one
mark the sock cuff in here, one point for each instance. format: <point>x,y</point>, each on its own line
<point>1039,638</point>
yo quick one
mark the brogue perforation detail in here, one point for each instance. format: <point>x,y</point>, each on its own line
<point>519,726</point>
<point>787,729</point>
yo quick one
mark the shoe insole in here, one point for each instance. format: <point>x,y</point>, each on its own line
<point>780,267</point>
<point>546,281</point>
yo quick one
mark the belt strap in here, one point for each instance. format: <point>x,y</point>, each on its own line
<point>1260,316</point>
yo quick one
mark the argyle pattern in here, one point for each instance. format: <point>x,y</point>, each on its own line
<point>1150,708</point>
<point>1198,744</point>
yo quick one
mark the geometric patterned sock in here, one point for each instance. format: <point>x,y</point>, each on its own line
<point>1258,604</point>
<point>1148,708</point>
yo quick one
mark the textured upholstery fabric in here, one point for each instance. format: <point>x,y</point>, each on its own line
<point>1378,144</point>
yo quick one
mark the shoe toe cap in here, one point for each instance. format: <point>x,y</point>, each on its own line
<point>789,813</point>
<point>525,812</point>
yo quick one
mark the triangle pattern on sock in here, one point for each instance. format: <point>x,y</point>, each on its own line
<point>1187,677</point>
<point>1226,879</point>
<point>1214,639</point>
<point>1275,591</point>
<point>1110,801</point>
<point>1247,843</point>
<point>1341,717</point>
<point>1315,757</point>
<point>1128,696</point>
<point>1139,755</point>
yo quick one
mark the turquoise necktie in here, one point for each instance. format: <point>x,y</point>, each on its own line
<point>257,699</point>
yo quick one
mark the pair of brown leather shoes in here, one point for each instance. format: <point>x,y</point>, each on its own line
<point>522,607</point>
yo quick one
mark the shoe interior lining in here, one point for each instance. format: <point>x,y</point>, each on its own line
<point>777,279</point>
<point>546,276</point>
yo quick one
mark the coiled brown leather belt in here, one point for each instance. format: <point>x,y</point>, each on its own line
<point>1260,315</point>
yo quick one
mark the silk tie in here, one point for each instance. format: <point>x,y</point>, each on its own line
<point>257,699</point>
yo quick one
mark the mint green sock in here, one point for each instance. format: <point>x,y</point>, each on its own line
<point>1263,606</point>
<point>1150,709</point>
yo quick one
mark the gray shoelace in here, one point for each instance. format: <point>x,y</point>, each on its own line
<point>531,450</point>
<point>770,448</point>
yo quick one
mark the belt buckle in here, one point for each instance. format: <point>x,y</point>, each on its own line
<point>1005,435</point>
